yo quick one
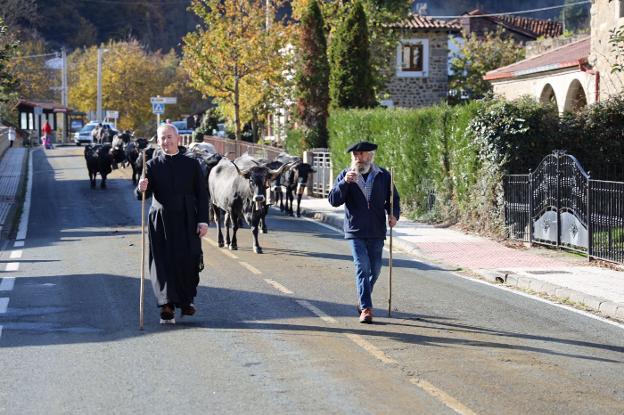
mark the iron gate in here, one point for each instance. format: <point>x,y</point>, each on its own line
<point>322,179</point>
<point>559,204</point>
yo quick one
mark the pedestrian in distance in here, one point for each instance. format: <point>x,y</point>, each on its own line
<point>11,136</point>
<point>177,220</point>
<point>365,190</point>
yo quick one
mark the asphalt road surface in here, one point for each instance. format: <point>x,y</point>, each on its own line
<point>275,333</point>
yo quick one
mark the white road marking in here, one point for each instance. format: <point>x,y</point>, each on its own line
<point>18,244</point>
<point>224,251</point>
<point>250,267</point>
<point>317,311</point>
<point>12,266</point>
<point>22,230</point>
<point>364,344</point>
<point>443,397</point>
<point>7,283</point>
<point>4,304</point>
<point>331,228</point>
<point>16,254</point>
<point>542,300</point>
<point>279,287</point>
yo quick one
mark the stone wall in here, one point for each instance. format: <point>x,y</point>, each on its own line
<point>433,87</point>
<point>538,47</point>
<point>605,16</point>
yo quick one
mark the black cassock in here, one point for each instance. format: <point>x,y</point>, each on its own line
<point>179,203</point>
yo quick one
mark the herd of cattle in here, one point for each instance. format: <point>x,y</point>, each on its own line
<point>237,189</point>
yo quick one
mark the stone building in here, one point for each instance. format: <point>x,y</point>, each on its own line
<point>572,75</point>
<point>421,75</point>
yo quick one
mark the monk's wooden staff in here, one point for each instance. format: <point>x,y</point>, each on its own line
<point>390,257</point>
<point>142,289</point>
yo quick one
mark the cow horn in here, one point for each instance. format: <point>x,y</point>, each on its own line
<point>281,169</point>
<point>240,172</point>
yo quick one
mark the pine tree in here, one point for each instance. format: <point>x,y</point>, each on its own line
<point>312,78</point>
<point>350,82</point>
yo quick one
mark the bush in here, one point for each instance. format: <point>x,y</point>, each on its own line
<point>427,149</point>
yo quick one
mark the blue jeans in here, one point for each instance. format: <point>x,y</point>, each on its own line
<point>367,260</point>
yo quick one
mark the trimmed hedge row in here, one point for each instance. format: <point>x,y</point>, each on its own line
<point>460,154</point>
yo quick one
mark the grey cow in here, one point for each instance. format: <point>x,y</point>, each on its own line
<point>238,189</point>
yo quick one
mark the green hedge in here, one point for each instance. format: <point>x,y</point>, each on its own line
<point>428,149</point>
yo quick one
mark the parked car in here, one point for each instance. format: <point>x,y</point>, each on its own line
<point>182,127</point>
<point>84,135</point>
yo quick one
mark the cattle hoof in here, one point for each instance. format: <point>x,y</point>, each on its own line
<point>265,231</point>
<point>103,186</point>
<point>221,244</point>
<point>257,250</point>
<point>233,247</point>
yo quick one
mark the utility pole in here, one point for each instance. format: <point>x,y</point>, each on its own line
<point>98,105</point>
<point>64,95</point>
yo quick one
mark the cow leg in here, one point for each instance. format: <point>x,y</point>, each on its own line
<point>299,205</point>
<point>279,196</point>
<point>103,182</point>
<point>227,222</point>
<point>217,214</point>
<point>233,244</point>
<point>92,180</point>
<point>290,199</point>
<point>254,230</point>
<point>263,219</point>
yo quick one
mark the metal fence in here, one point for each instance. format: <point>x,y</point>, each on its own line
<point>558,204</point>
<point>234,148</point>
<point>322,180</point>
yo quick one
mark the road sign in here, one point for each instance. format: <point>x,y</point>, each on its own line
<point>112,114</point>
<point>164,100</point>
<point>158,108</point>
<point>38,111</point>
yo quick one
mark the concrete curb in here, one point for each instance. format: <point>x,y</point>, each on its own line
<point>568,296</point>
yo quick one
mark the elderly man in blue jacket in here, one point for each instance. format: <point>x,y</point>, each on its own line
<point>364,189</point>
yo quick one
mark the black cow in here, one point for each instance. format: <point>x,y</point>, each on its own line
<point>133,151</point>
<point>238,189</point>
<point>99,160</point>
<point>296,181</point>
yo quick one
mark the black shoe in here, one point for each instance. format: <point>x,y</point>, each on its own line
<point>167,312</point>
<point>188,310</point>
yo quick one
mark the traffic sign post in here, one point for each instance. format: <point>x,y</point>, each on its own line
<point>158,106</point>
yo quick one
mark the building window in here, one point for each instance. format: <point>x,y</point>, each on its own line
<point>621,9</point>
<point>24,121</point>
<point>413,58</point>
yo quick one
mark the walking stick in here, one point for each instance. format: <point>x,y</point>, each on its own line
<point>390,257</point>
<point>142,289</point>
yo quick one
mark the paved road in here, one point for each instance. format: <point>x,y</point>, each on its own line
<point>276,333</point>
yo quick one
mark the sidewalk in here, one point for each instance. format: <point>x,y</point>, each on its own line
<point>567,277</point>
<point>13,172</point>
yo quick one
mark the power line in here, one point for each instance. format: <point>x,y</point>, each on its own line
<point>36,56</point>
<point>541,9</point>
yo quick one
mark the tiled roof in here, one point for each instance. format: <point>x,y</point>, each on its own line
<point>566,56</point>
<point>529,26</point>
<point>418,22</point>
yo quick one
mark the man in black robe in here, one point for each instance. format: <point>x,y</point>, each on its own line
<point>178,219</point>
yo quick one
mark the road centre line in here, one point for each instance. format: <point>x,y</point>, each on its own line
<point>317,311</point>
<point>17,254</point>
<point>7,283</point>
<point>443,397</point>
<point>279,287</point>
<point>18,244</point>
<point>12,266</point>
<point>4,304</point>
<point>364,344</point>
<point>250,267</point>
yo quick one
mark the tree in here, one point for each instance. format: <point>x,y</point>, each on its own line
<point>235,56</point>
<point>477,56</point>
<point>36,80</point>
<point>130,76</point>
<point>350,79</point>
<point>8,84</point>
<point>575,18</point>
<point>383,38</point>
<point>312,77</point>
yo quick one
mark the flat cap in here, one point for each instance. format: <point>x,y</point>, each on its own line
<point>362,146</point>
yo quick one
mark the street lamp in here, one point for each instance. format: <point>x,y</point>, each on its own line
<point>98,110</point>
